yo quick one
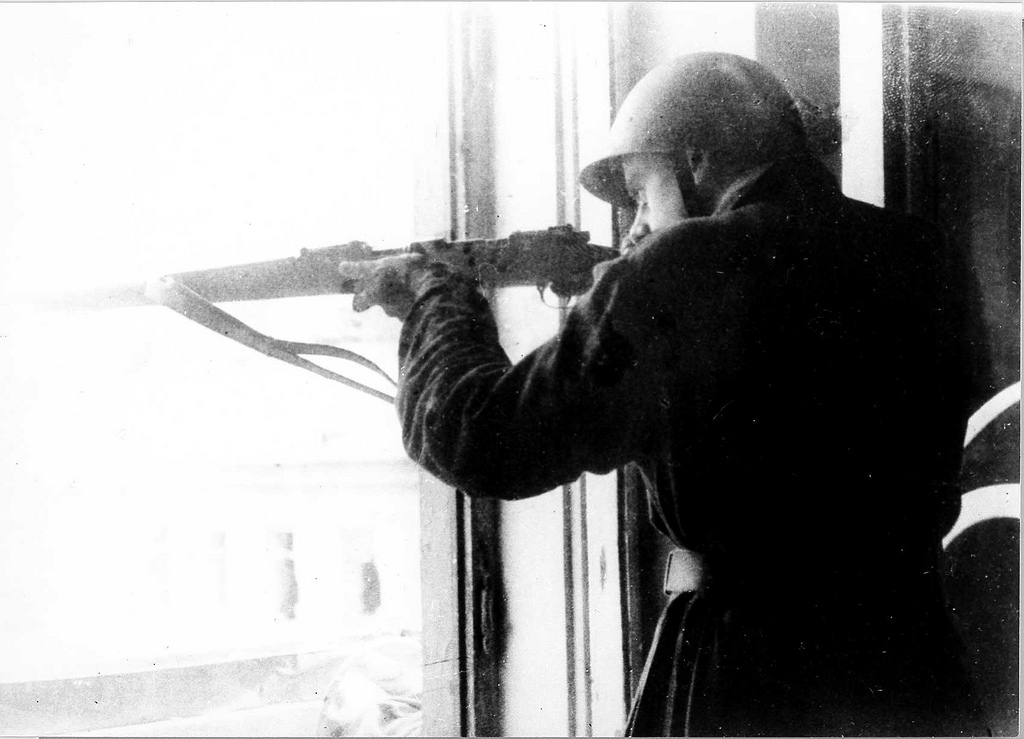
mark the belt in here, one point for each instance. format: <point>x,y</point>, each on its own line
<point>684,572</point>
<point>687,571</point>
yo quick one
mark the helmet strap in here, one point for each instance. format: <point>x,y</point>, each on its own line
<point>696,204</point>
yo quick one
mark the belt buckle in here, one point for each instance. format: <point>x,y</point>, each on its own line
<point>684,572</point>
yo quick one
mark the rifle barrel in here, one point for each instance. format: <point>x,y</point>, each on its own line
<point>312,273</point>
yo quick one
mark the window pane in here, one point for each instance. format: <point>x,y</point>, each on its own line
<point>172,499</point>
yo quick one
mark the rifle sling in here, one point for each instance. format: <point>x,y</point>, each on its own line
<point>169,292</point>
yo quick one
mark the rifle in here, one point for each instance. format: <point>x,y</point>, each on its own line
<point>560,257</point>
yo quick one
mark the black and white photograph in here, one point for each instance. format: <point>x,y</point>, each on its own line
<point>568,369</point>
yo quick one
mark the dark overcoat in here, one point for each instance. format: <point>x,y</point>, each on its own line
<point>792,376</point>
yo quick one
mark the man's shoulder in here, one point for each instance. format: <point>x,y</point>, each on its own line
<point>836,228</point>
<point>697,255</point>
<point>717,242</point>
<point>719,230</point>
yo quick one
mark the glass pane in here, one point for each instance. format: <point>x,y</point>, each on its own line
<point>192,528</point>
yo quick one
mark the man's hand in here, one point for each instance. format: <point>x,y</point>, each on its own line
<point>387,282</point>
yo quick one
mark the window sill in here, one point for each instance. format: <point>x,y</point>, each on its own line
<point>209,694</point>
<point>285,719</point>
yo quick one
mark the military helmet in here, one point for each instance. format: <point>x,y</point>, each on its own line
<point>713,101</point>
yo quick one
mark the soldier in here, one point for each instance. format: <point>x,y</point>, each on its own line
<point>790,371</point>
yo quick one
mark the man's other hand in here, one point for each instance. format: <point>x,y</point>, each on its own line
<point>387,282</point>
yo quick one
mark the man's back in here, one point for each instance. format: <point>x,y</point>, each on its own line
<point>820,390</point>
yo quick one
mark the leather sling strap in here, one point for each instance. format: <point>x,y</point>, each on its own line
<point>169,292</point>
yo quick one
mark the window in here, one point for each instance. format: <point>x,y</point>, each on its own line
<point>191,528</point>
<point>198,540</point>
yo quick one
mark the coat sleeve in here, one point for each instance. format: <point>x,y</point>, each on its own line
<point>592,398</point>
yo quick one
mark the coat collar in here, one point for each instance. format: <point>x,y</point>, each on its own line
<point>800,178</point>
<point>739,188</point>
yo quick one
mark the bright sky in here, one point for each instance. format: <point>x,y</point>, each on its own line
<point>142,138</point>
